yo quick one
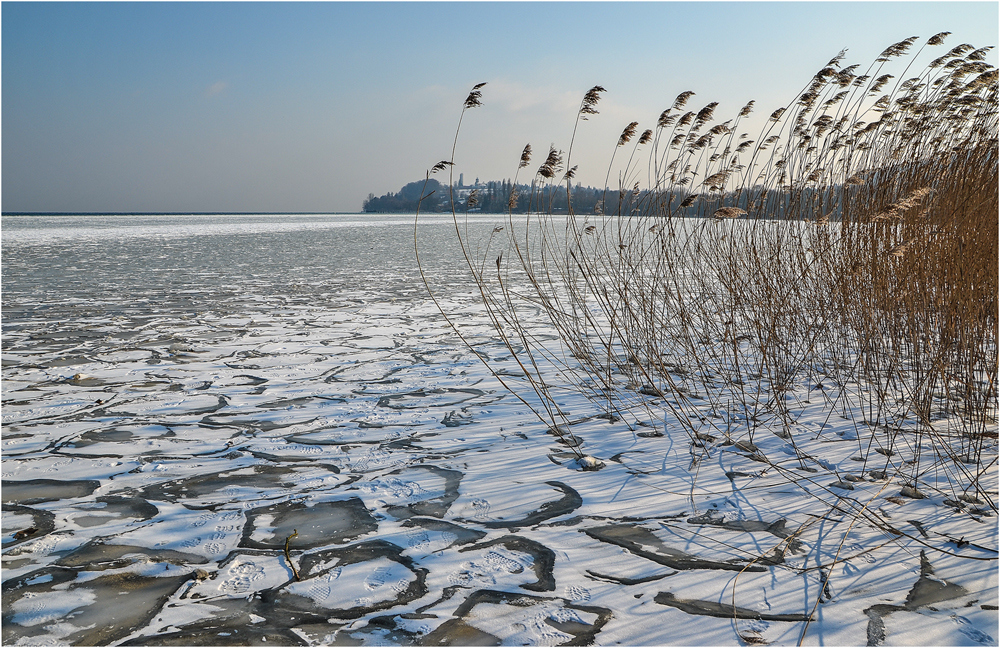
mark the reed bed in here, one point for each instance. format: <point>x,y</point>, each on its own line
<point>844,254</point>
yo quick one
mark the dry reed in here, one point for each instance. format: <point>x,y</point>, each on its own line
<point>852,259</point>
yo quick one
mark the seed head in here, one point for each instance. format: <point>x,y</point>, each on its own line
<point>682,99</point>
<point>896,49</point>
<point>729,212</point>
<point>628,133</point>
<point>979,54</point>
<point>937,39</point>
<point>525,156</point>
<point>836,59</point>
<point>705,114</point>
<point>473,100</point>
<point>552,163</point>
<point>717,179</point>
<point>719,129</point>
<point>587,107</point>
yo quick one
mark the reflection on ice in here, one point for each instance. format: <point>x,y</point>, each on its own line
<point>35,491</point>
<point>320,524</point>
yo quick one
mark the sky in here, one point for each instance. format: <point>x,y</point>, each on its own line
<point>312,106</point>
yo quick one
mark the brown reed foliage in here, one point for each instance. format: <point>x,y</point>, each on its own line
<point>852,256</point>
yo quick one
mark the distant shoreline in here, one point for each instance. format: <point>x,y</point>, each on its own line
<point>207,213</point>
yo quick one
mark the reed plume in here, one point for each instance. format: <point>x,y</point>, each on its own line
<point>842,259</point>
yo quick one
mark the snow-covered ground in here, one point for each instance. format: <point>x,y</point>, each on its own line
<point>183,404</point>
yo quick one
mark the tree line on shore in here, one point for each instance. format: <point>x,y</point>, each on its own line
<point>494,197</point>
<point>501,197</point>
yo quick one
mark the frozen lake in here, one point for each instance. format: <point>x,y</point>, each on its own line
<point>187,397</point>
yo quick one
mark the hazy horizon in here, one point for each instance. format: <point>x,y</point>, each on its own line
<point>309,107</point>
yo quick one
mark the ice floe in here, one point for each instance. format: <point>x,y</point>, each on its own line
<point>249,450</point>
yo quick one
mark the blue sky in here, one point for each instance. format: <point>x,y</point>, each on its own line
<point>234,106</point>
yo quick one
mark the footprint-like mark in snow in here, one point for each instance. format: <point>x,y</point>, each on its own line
<point>32,608</point>
<point>864,557</point>
<point>536,632</point>
<point>965,627</point>
<point>242,577</point>
<point>417,539</point>
<point>481,573</point>
<point>471,576</point>
<point>462,578</point>
<point>202,520</point>
<point>552,638</point>
<point>214,548</point>
<point>576,593</point>
<point>498,562</point>
<point>399,489</point>
<point>567,615</point>
<point>376,579</point>
<point>42,546</point>
<point>57,465</point>
<point>320,590</point>
<point>190,543</point>
<point>323,586</point>
<point>375,457</point>
<point>480,509</point>
<point>754,625</point>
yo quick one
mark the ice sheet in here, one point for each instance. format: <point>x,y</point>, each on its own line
<point>186,401</point>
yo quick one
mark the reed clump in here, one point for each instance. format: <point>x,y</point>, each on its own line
<point>844,254</point>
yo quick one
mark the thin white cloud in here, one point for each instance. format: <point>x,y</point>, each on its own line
<point>517,97</point>
<point>216,88</point>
